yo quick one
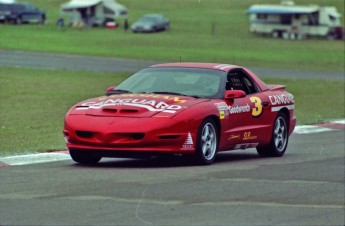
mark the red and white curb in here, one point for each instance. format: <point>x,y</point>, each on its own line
<point>318,128</point>
<point>64,155</point>
<point>34,158</point>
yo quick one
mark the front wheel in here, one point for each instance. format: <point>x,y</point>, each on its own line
<point>84,157</point>
<point>41,20</point>
<point>207,142</point>
<point>279,140</point>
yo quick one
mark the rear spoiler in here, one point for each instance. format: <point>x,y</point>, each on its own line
<point>276,87</point>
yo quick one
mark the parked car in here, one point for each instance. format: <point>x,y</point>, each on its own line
<point>151,23</point>
<point>19,13</point>
<point>4,12</point>
<point>191,109</point>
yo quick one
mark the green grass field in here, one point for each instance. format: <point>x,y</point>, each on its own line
<point>34,103</point>
<point>190,37</point>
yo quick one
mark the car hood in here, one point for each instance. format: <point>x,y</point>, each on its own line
<point>136,105</point>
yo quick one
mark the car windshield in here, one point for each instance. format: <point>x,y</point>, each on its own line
<point>194,82</point>
<point>29,6</point>
<point>149,19</point>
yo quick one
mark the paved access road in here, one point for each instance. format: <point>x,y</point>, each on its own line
<point>305,187</point>
<point>53,61</point>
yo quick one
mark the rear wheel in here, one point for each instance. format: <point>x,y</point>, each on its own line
<point>41,20</point>
<point>279,140</point>
<point>207,141</point>
<point>84,157</point>
<point>19,20</point>
<point>275,34</point>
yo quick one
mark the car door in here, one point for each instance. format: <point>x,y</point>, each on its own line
<point>248,116</point>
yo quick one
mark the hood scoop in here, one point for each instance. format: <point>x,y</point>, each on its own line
<point>110,110</point>
<point>120,111</point>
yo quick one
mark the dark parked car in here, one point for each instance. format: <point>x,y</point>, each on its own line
<point>151,23</point>
<point>19,13</point>
<point>4,12</point>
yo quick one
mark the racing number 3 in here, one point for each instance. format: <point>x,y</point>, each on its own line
<point>257,110</point>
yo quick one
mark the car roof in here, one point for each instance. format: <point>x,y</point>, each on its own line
<point>152,15</point>
<point>213,66</point>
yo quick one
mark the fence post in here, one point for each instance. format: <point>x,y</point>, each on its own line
<point>213,28</point>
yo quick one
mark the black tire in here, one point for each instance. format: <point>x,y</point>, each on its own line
<point>84,157</point>
<point>275,34</point>
<point>41,20</point>
<point>207,142</point>
<point>18,20</point>
<point>279,139</point>
<point>331,36</point>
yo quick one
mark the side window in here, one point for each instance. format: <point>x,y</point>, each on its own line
<point>251,86</point>
<point>238,80</point>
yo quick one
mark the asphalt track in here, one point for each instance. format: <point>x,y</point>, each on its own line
<point>305,187</point>
<point>25,59</point>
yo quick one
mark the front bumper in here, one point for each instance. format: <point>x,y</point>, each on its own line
<point>110,135</point>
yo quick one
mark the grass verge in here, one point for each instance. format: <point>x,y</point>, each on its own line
<point>34,103</point>
<point>204,30</point>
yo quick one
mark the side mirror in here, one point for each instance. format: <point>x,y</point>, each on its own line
<point>111,88</point>
<point>234,94</point>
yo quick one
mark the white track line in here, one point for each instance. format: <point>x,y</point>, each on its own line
<point>310,129</point>
<point>34,158</point>
<point>339,121</point>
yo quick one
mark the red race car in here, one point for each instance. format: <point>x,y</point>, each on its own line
<point>194,109</point>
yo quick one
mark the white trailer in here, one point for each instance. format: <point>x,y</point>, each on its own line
<point>290,21</point>
<point>93,12</point>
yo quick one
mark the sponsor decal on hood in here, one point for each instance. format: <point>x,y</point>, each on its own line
<point>151,105</point>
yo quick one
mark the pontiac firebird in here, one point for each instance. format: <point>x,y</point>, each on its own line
<point>188,109</point>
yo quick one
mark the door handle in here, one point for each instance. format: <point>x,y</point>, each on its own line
<point>265,104</point>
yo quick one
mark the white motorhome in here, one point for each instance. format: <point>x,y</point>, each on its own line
<point>290,21</point>
<point>93,12</point>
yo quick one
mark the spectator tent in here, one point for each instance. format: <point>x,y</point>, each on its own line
<point>93,12</point>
